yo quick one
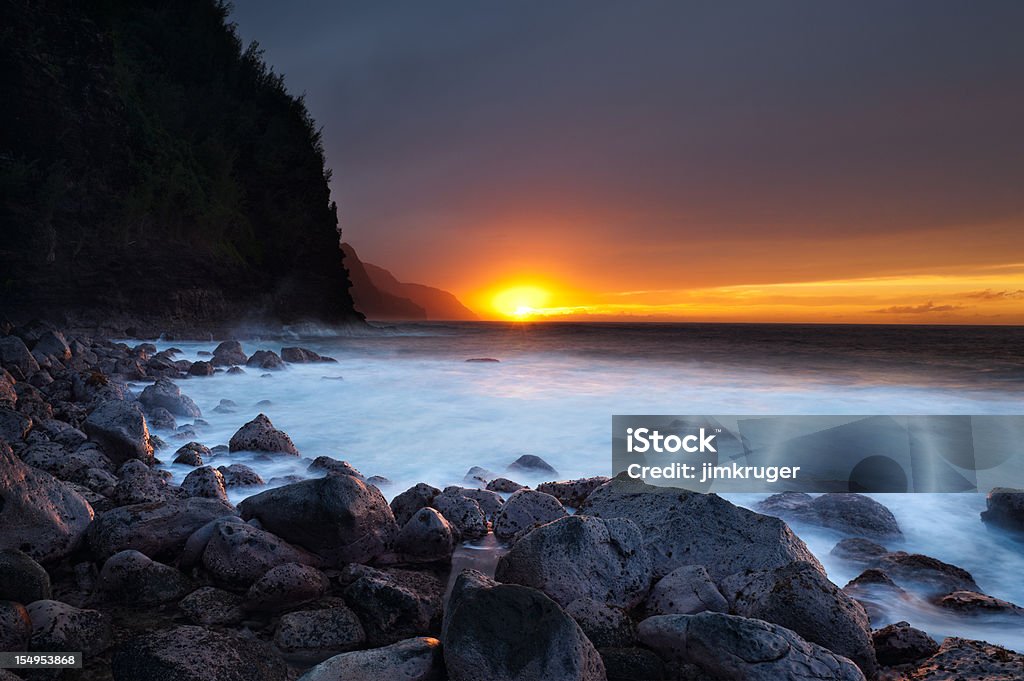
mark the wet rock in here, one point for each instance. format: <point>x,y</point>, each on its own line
<point>901,643</point>
<point>379,481</point>
<point>131,577</point>
<point>858,550</point>
<point>581,557</point>
<point>119,427</point>
<point>689,528</point>
<point>237,555</point>
<point>337,517</point>
<point>58,626</point>
<point>572,493</point>
<point>190,653</point>
<point>314,635</point>
<point>925,575</point>
<point>875,591</point>
<point>16,358</point>
<point>303,356</point>
<point>853,514</point>
<point>395,604</point>
<point>504,485</point>
<point>606,626</point>
<point>730,648</point>
<point>15,627</point>
<point>8,396</point>
<point>490,502</point>
<point>631,664</point>
<point>326,464</point>
<point>405,505</point>
<point>259,435</point>
<point>530,464</point>
<point>236,371</point>
<point>156,529</point>
<point>960,659</point>
<point>427,537</point>
<point>192,454</point>
<point>465,583</point>
<point>285,586</point>
<point>510,632</point>
<point>265,359</point>
<point>211,606</point>
<point>13,426</point>
<point>973,603</point>
<point>1005,508</point>
<point>39,515</point>
<point>799,597</point>
<point>240,475</point>
<point>479,476</point>
<point>463,513</point>
<point>228,353</point>
<point>164,393</point>
<point>141,484</point>
<point>161,419</point>
<point>21,578</point>
<point>201,368</point>
<point>205,482</point>
<point>686,590</point>
<point>53,344</point>
<point>525,510</point>
<point>414,659</point>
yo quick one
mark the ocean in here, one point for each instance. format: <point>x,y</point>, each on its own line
<point>403,402</point>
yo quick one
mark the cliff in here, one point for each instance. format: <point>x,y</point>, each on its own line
<point>380,295</point>
<point>154,172</point>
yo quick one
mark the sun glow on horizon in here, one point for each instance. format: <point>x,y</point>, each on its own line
<point>520,302</point>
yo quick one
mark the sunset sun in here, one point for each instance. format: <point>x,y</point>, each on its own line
<point>520,302</point>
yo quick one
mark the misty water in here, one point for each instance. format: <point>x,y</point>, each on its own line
<point>403,403</point>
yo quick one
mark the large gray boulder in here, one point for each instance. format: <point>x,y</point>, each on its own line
<point>53,344</point>
<point>525,510</point>
<point>21,578</point>
<point>463,513</point>
<point>689,528</point>
<point>900,643</point>
<point>311,636</point>
<point>132,577</point>
<point>157,529</point>
<point>338,517</point>
<point>120,429</point>
<point>405,505</point>
<point>581,557</point>
<point>572,492</point>
<point>140,484</point>
<point>797,596</point>
<point>394,604</point>
<point>259,435</point>
<point>237,554</point>
<point>39,514</point>
<point>164,393</point>
<point>211,606</point>
<point>205,482</point>
<point>730,648</point>
<point>853,514</point>
<point>414,659</point>
<point>426,538</point>
<point>190,653</point>
<point>514,633</point>
<point>286,586</point>
<point>58,626</point>
<point>240,475</point>
<point>686,590</point>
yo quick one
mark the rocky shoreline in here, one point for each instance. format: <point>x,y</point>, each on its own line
<point>323,579</point>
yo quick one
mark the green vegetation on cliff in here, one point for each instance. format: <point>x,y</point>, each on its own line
<point>151,166</point>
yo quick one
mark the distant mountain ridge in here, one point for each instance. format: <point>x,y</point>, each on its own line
<point>378,294</point>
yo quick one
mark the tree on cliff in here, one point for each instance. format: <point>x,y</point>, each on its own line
<point>147,159</point>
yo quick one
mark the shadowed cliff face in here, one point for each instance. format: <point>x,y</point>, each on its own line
<point>152,171</point>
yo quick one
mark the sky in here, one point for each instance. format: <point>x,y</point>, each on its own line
<point>708,161</point>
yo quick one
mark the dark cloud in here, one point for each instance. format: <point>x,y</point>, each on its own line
<point>924,308</point>
<point>672,122</point>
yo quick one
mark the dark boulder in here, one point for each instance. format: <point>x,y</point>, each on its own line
<point>960,659</point>
<point>192,454</point>
<point>901,643</point>
<point>1005,508</point>
<point>265,359</point>
<point>132,577</point>
<point>58,626</point>
<point>405,505</point>
<point>240,475</point>
<point>190,653</point>
<point>572,493</point>
<point>205,482</point>
<point>530,464</point>
<point>504,485</point>
<point>338,517</point>
<point>394,604</point>
<point>525,510</point>
<point>286,586</point>
<point>689,528</point>
<point>164,393</point>
<point>156,529</point>
<point>426,538</point>
<point>311,636</point>
<point>303,356</point>
<point>414,659</point>
<point>211,606</point>
<point>259,435</point>
<point>228,353</point>
<point>237,555</point>
<point>120,428</point>
<point>852,514</point>
<point>686,590</point>
<point>21,578</point>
